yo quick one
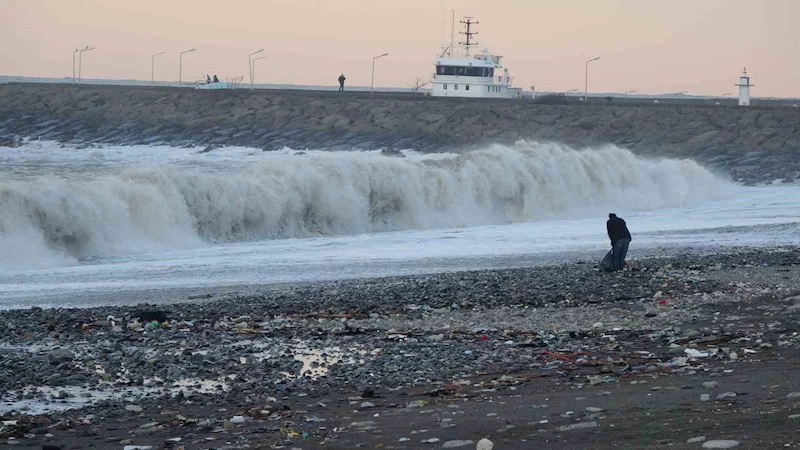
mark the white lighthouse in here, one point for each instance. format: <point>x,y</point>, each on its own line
<point>744,89</point>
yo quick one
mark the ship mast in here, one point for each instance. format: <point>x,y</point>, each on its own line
<point>468,42</point>
<point>452,30</point>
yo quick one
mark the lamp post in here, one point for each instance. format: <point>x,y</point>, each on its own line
<point>372,83</point>
<point>678,95</point>
<point>153,68</point>
<point>253,71</point>
<point>73,62</point>
<point>725,95</point>
<point>586,87</point>
<point>80,60</point>
<point>180,67</point>
<point>250,64</point>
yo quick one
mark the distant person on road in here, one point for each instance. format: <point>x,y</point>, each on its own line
<point>208,79</point>
<point>341,82</point>
<point>216,80</point>
<point>620,240</point>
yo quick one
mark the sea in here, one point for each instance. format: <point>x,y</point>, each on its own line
<point>94,225</point>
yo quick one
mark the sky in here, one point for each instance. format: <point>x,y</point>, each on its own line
<point>651,46</point>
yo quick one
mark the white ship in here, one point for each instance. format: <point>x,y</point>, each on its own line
<point>462,74</point>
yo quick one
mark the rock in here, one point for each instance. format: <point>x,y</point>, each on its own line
<point>237,419</point>
<point>593,409</point>
<point>484,444</point>
<point>793,395</point>
<point>134,408</point>
<point>9,142</point>
<point>733,356</point>
<point>417,404</point>
<point>721,444</point>
<point>705,397</point>
<point>430,441</point>
<point>365,405</point>
<point>695,440</point>
<point>578,426</point>
<point>366,423</point>
<point>456,444</point>
<point>151,315</point>
<point>597,325</point>
<point>137,447</point>
<point>710,384</point>
<point>694,353</point>
<point>59,356</point>
<point>725,395</point>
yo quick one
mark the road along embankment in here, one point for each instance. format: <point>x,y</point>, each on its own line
<point>752,145</point>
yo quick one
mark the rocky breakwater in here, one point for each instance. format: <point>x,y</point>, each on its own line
<point>752,145</point>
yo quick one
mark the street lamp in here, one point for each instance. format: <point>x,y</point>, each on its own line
<point>250,63</point>
<point>586,87</point>
<point>80,60</point>
<point>180,66</point>
<point>725,95</point>
<point>253,71</point>
<point>372,83</point>
<point>153,68</point>
<point>678,95</point>
<point>73,62</point>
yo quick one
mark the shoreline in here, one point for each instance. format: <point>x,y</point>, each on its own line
<point>523,356</point>
<point>496,264</point>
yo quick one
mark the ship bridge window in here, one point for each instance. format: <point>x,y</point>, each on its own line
<point>465,71</point>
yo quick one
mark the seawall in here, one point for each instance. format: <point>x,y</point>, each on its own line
<point>750,144</point>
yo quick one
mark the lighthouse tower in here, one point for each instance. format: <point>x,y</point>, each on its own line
<point>744,89</point>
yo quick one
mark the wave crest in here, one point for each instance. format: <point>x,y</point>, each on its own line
<point>46,219</point>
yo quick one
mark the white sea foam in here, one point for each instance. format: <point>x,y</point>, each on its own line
<point>49,219</point>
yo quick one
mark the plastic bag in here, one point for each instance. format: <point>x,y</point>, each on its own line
<point>607,264</point>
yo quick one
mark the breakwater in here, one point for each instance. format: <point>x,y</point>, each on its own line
<point>752,145</point>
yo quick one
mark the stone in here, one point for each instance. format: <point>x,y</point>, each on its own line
<point>457,444</point>
<point>793,395</point>
<point>695,440</point>
<point>725,395</point>
<point>593,409</point>
<point>705,397</point>
<point>430,441</point>
<point>366,405</point>
<point>60,355</point>
<point>237,419</point>
<point>133,408</point>
<point>417,404</point>
<point>721,444</point>
<point>710,384</point>
<point>578,426</point>
<point>484,444</point>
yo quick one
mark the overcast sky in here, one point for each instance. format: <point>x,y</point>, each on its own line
<point>652,46</point>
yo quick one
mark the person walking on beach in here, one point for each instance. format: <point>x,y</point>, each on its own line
<point>341,82</point>
<point>620,240</point>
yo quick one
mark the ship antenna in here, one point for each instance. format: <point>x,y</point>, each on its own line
<point>469,33</point>
<point>452,29</point>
